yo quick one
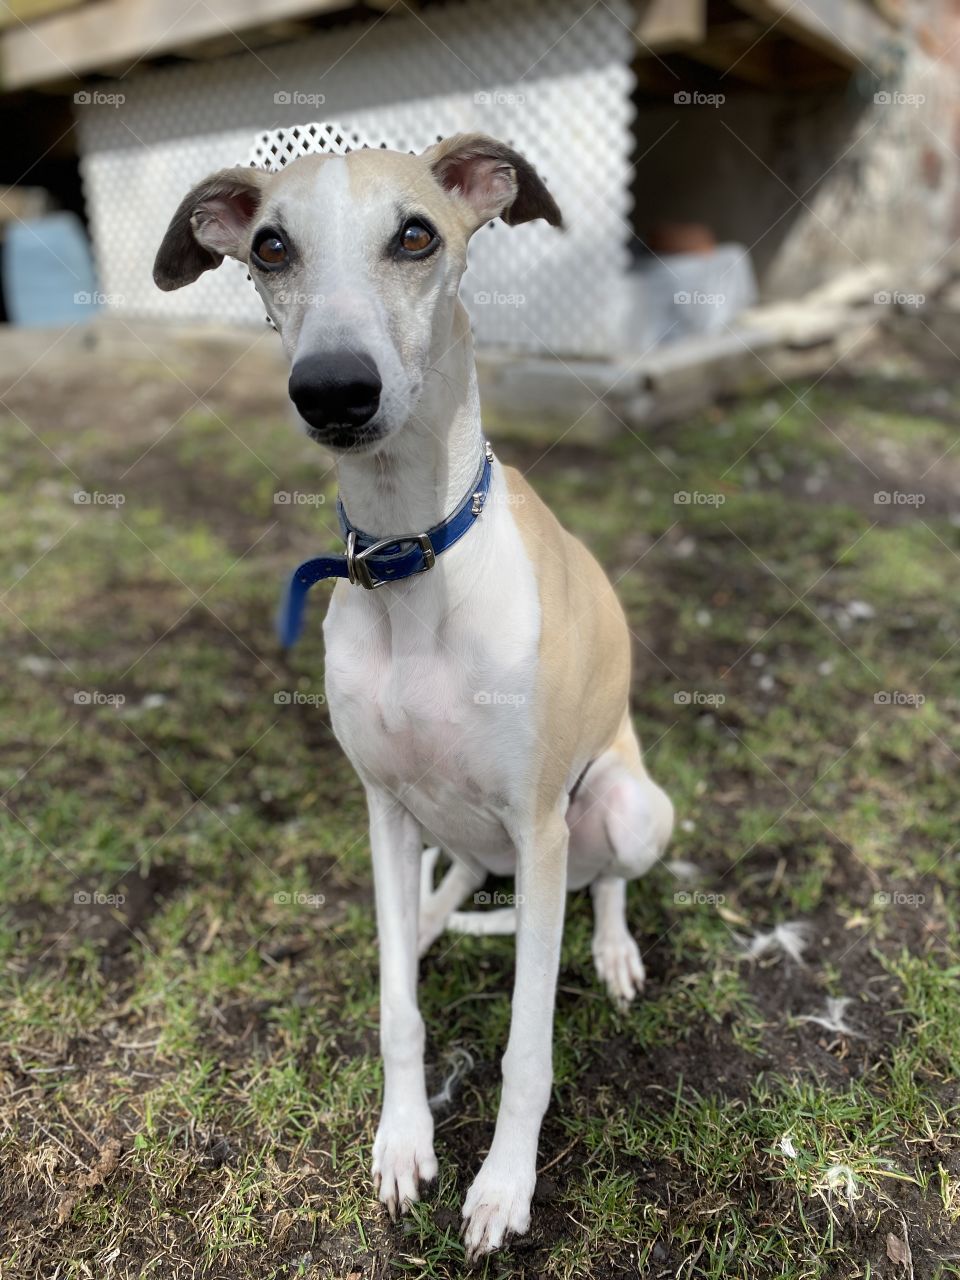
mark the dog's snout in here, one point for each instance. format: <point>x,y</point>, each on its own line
<point>336,389</point>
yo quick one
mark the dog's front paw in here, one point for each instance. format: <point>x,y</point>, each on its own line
<point>403,1159</point>
<point>619,966</point>
<point>497,1205</point>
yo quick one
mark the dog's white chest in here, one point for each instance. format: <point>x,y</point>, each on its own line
<point>437,707</point>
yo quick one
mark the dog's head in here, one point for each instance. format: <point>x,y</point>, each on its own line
<point>358,259</point>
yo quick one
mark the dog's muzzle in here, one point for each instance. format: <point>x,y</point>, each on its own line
<point>337,395</point>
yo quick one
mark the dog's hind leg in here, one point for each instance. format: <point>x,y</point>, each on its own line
<point>484,924</point>
<point>620,822</point>
<point>616,955</point>
<point>428,862</point>
<point>438,905</point>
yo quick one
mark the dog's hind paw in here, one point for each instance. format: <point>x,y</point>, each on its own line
<point>432,924</point>
<point>403,1159</point>
<point>619,967</point>
<point>497,1205</point>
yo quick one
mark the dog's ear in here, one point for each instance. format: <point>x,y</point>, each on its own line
<point>492,180</point>
<point>210,223</point>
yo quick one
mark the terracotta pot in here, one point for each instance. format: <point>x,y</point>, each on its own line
<point>681,237</point>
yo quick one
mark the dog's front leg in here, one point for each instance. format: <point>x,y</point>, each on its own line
<point>498,1202</point>
<point>403,1150</point>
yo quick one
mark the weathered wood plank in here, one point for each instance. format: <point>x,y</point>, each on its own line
<point>846,31</point>
<point>114,33</point>
<point>14,12</point>
<point>666,25</point>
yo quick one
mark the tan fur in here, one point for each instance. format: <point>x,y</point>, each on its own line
<point>371,170</point>
<point>584,674</point>
<point>527,199</point>
<point>181,259</point>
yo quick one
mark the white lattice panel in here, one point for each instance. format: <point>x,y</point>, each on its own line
<point>543,75</point>
<point>277,147</point>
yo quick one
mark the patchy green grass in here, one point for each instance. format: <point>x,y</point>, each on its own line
<point>186,930</point>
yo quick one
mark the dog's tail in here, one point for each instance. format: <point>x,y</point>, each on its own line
<point>479,924</point>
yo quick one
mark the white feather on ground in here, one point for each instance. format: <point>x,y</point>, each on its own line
<point>840,1177</point>
<point>461,1061</point>
<point>832,1017</point>
<point>791,939</point>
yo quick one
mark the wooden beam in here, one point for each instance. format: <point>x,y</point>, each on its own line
<point>13,12</point>
<point>765,61</point>
<point>108,34</point>
<point>846,31</point>
<point>664,26</point>
<point>895,11</point>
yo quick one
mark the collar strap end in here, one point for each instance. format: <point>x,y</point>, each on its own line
<point>373,562</point>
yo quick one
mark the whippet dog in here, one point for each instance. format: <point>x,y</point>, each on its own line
<point>481,692</point>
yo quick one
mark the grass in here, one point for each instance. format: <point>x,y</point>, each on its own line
<point>188,946</point>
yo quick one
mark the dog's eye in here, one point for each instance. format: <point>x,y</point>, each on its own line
<point>417,239</point>
<point>269,250</point>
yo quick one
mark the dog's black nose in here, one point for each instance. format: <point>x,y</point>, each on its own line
<point>339,389</point>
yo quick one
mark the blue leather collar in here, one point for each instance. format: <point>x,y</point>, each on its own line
<point>373,562</point>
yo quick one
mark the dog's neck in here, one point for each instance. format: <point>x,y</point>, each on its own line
<point>423,473</point>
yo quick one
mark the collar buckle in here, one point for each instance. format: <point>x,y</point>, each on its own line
<point>359,572</point>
